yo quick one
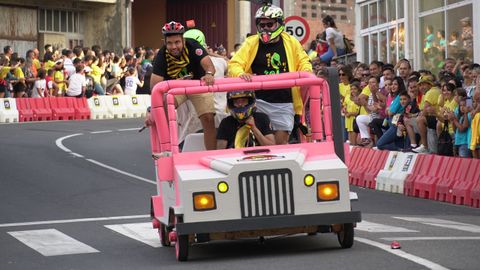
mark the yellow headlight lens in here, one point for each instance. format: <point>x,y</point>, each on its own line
<point>203,201</point>
<point>308,180</point>
<point>222,187</point>
<point>328,191</point>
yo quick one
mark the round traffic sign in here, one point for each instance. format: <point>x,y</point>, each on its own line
<point>297,27</point>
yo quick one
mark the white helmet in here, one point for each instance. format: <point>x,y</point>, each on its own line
<point>269,11</point>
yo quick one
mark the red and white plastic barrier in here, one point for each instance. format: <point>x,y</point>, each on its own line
<point>447,179</point>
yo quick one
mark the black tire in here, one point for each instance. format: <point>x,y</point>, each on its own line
<point>163,233</point>
<point>346,235</point>
<point>181,248</point>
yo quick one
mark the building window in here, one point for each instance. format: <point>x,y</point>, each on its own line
<point>304,6</point>
<point>304,14</point>
<point>60,21</point>
<point>343,1</point>
<point>314,7</point>
<point>446,33</point>
<point>343,17</point>
<point>333,1</point>
<point>314,15</point>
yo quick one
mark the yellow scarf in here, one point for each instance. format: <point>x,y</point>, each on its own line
<point>175,65</point>
<point>242,137</point>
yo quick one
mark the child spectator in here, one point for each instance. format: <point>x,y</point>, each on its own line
<point>19,90</point>
<point>40,86</point>
<point>132,82</point>
<point>461,119</point>
<point>77,83</point>
<point>51,85</point>
<point>352,109</point>
<point>59,79</point>
<point>446,103</point>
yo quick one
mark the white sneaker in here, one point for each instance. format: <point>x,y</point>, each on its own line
<point>420,150</point>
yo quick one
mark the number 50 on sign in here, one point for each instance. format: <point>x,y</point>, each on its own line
<point>297,27</point>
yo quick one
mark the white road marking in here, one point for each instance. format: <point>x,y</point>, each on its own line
<point>50,242</point>
<point>59,143</point>
<point>432,238</point>
<point>100,131</point>
<point>142,232</point>
<point>403,254</point>
<point>120,171</point>
<point>443,223</point>
<point>62,221</point>
<point>379,228</point>
<point>129,129</point>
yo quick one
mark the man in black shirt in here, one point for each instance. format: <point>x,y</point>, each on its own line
<point>244,127</point>
<point>186,59</point>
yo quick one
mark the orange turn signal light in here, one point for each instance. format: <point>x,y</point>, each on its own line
<point>327,191</point>
<point>203,201</point>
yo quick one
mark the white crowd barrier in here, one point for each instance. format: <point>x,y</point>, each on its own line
<point>135,106</point>
<point>98,108</point>
<point>398,166</point>
<point>8,110</point>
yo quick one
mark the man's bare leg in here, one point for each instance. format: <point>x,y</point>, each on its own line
<point>422,129</point>
<point>281,137</point>
<point>410,131</point>
<point>209,132</point>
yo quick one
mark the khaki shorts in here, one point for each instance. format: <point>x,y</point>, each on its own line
<point>203,103</point>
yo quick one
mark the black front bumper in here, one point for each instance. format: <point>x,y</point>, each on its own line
<point>272,222</point>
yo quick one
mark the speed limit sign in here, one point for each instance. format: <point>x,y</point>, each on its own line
<point>297,27</point>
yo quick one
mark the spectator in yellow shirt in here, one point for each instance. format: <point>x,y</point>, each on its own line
<point>92,62</point>
<point>59,78</point>
<point>429,108</point>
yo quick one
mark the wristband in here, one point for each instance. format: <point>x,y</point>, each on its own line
<point>209,73</point>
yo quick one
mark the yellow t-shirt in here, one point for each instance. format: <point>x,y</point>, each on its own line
<point>365,91</point>
<point>59,76</point>
<point>96,73</point>
<point>48,65</point>
<point>344,89</point>
<point>431,97</point>
<point>18,72</point>
<point>350,107</point>
<point>3,72</point>
<point>450,106</point>
<point>37,64</point>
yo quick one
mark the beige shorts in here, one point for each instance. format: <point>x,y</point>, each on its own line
<point>203,103</point>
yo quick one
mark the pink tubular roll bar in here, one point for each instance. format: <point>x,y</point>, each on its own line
<point>163,134</point>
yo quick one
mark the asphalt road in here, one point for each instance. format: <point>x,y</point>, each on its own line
<point>85,187</point>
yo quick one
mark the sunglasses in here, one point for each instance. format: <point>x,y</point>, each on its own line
<point>268,25</point>
<point>341,74</point>
<point>366,74</point>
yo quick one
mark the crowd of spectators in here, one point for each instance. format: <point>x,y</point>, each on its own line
<point>396,108</point>
<point>82,71</point>
<point>384,106</point>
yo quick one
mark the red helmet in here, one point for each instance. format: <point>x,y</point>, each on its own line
<point>173,28</point>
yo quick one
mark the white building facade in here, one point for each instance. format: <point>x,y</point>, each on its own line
<point>422,31</point>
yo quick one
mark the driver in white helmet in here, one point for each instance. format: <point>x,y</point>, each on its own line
<point>273,51</point>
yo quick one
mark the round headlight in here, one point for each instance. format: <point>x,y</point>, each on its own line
<point>308,180</point>
<point>222,187</point>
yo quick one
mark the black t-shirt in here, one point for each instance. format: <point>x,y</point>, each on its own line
<point>229,126</point>
<point>195,53</point>
<point>271,58</point>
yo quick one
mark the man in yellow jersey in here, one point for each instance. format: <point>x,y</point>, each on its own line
<point>427,117</point>
<point>273,51</point>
